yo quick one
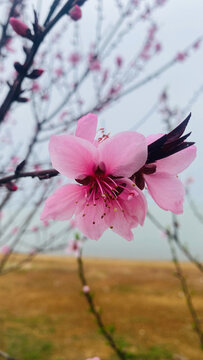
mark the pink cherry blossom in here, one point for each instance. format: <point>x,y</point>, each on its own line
<point>104,196</point>
<point>5,249</point>
<point>164,186</point>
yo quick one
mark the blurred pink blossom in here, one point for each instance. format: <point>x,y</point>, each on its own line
<point>74,247</point>
<point>5,249</point>
<point>94,64</point>
<point>74,58</point>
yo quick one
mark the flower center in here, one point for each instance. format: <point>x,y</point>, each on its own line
<point>105,187</point>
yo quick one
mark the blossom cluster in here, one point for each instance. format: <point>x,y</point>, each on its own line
<point>110,174</point>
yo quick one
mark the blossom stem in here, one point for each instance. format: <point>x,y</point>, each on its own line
<point>120,353</point>
<point>41,174</point>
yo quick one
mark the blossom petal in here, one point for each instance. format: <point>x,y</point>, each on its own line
<point>62,204</point>
<point>72,156</point>
<point>119,224</point>
<point>87,127</point>
<point>177,162</point>
<point>90,221</point>
<point>166,190</point>
<point>130,212</point>
<point>123,154</point>
<point>151,138</point>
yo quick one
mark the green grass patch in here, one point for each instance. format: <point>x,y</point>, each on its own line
<point>27,346</point>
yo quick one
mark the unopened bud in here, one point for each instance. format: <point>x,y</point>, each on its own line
<point>11,186</point>
<point>86,289</point>
<point>19,68</point>
<point>75,13</point>
<point>19,27</point>
<point>35,74</point>
<point>119,61</point>
<point>22,99</point>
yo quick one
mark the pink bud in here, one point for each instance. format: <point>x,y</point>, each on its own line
<point>75,13</point>
<point>11,186</point>
<point>181,56</point>
<point>119,61</point>
<point>86,289</point>
<point>74,58</point>
<point>19,27</point>
<point>196,45</point>
<point>158,47</point>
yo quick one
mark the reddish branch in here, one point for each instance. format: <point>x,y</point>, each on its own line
<point>38,38</point>
<point>41,174</point>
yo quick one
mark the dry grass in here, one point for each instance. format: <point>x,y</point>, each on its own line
<point>44,315</point>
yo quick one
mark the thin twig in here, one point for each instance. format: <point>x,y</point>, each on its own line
<point>121,354</point>
<point>41,174</point>
<point>184,285</point>
<point>174,236</point>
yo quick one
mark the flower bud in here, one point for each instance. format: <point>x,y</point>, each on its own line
<point>75,13</point>
<point>11,186</point>
<point>35,74</point>
<point>22,99</point>
<point>86,289</point>
<point>19,27</point>
<point>18,67</point>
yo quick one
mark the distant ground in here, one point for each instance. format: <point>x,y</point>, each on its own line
<point>44,315</point>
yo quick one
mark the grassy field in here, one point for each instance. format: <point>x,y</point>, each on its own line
<point>44,315</point>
